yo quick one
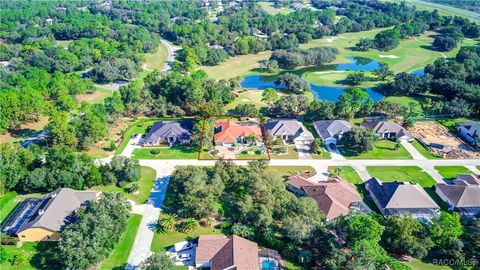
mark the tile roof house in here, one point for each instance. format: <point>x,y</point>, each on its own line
<point>219,252</point>
<point>470,131</point>
<point>289,130</point>
<point>228,132</point>
<point>334,197</point>
<point>170,132</point>
<point>43,219</point>
<point>462,196</point>
<point>331,130</point>
<point>388,130</point>
<point>394,198</point>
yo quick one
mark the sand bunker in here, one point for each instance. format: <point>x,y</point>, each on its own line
<point>331,71</point>
<point>245,99</point>
<point>388,56</point>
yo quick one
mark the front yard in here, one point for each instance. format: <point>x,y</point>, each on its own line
<point>119,256</point>
<point>145,182</point>
<point>162,241</point>
<point>450,172</point>
<point>285,171</point>
<point>383,149</point>
<point>174,152</point>
<point>424,151</point>
<point>291,152</point>
<point>402,174</point>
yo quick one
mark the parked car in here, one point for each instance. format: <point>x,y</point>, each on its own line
<point>184,257</point>
<point>181,246</point>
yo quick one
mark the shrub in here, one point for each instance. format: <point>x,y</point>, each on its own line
<point>9,240</point>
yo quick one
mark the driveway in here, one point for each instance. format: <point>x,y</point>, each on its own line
<point>303,150</point>
<point>132,144</point>
<point>336,155</point>
<point>143,240</point>
<point>412,150</point>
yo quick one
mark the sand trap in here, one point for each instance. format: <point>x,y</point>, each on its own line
<point>331,71</point>
<point>388,56</point>
<point>245,99</point>
<point>330,40</point>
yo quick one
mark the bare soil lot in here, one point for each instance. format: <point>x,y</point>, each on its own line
<point>429,133</point>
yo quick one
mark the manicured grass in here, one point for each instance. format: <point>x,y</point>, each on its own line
<point>289,265</point>
<point>252,157</point>
<point>119,256</point>
<point>163,241</point>
<point>63,43</point>
<point>286,171</point>
<point>96,97</point>
<point>28,250</point>
<point>424,151</point>
<point>323,155</point>
<point>419,265</point>
<point>444,9</point>
<point>402,173</point>
<point>236,66</point>
<point>247,97</point>
<point>157,59</point>
<point>270,9</point>
<point>348,174</point>
<point>7,204</point>
<point>146,181</point>
<point>174,152</point>
<point>384,149</point>
<point>450,172</point>
<point>291,154</point>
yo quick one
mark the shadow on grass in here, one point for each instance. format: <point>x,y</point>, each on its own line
<point>23,133</point>
<point>46,257</point>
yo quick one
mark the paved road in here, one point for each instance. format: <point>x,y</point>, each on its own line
<point>171,56</point>
<point>143,240</point>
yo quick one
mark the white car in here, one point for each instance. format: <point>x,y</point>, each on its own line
<point>184,257</point>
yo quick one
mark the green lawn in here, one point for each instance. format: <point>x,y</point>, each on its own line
<point>444,9</point>
<point>236,66</point>
<point>28,250</point>
<point>349,174</point>
<point>286,171</point>
<point>424,151</point>
<point>174,152</point>
<point>270,9</point>
<point>163,241</point>
<point>419,265</point>
<point>402,173</point>
<point>291,154</point>
<point>323,155</point>
<point>450,172</point>
<point>289,265</point>
<point>157,59</point>
<point>384,149</point>
<point>7,204</point>
<point>119,256</point>
<point>146,181</point>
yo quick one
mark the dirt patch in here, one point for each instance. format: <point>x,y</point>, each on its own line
<point>95,97</point>
<point>435,136</point>
<point>25,131</point>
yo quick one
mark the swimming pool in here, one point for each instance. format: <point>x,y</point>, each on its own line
<point>269,265</point>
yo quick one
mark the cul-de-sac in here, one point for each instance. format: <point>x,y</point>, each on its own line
<point>240,135</point>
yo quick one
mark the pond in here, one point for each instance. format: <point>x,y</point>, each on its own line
<point>418,72</point>
<point>320,92</point>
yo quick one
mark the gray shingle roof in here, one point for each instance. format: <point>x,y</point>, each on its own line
<point>290,127</point>
<point>54,208</point>
<point>464,192</point>
<point>163,129</point>
<point>389,127</point>
<point>400,195</point>
<point>331,128</point>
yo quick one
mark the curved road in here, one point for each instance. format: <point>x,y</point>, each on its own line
<point>171,56</point>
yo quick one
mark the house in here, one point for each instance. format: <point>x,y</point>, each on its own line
<point>462,196</point>
<point>218,252</point>
<point>169,132</point>
<point>470,132</point>
<point>43,219</point>
<point>330,131</point>
<point>394,198</point>
<point>289,130</point>
<point>334,197</point>
<point>228,132</point>
<point>297,181</point>
<point>388,130</point>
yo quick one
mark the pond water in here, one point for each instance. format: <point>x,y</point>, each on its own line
<point>418,72</point>
<point>320,92</point>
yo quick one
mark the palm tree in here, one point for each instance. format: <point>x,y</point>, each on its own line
<point>167,221</point>
<point>305,257</point>
<point>189,225</point>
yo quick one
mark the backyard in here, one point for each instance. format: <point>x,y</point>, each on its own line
<point>162,241</point>
<point>7,204</point>
<point>383,149</point>
<point>28,252</point>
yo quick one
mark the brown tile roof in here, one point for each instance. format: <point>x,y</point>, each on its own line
<point>299,180</point>
<point>233,252</point>
<point>333,197</point>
